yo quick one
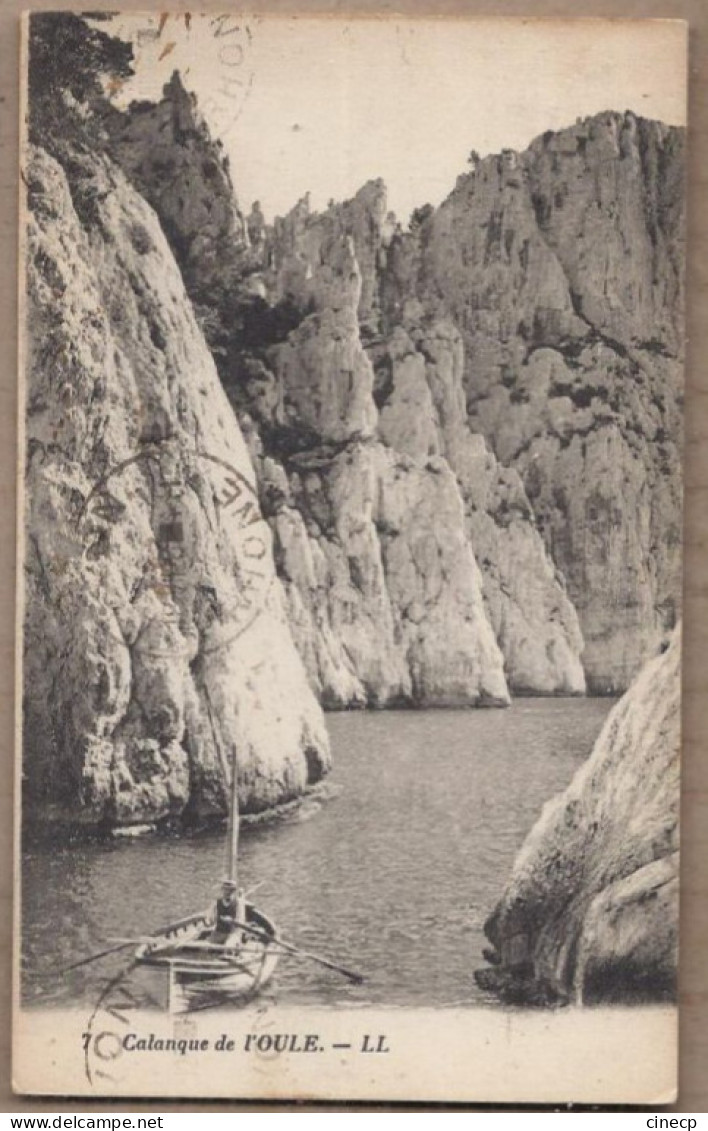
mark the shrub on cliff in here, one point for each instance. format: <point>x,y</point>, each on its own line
<point>69,61</point>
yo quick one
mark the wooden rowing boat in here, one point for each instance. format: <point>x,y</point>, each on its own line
<point>238,968</point>
<point>231,951</point>
<point>228,953</point>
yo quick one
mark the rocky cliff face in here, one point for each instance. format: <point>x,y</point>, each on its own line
<point>384,591</point>
<point>561,268</point>
<point>591,909</point>
<point>547,292</point>
<point>341,416</point>
<point>185,177</point>
<point>156,644</point>
<point>421,395</point>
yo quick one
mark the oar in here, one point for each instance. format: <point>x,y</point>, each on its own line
<point>308,954</point>
<point>225,949</point>
<point>126,943</point>
<point>95,957</point>
<point>350,974</point>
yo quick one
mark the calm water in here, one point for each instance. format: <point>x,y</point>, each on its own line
<point>392,871</point>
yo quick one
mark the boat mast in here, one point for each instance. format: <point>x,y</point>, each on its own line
<point>232,863</point>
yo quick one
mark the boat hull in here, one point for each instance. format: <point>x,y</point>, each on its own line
<point>199,968</point>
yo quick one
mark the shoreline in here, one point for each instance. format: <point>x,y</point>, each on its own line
<point>62,833</point>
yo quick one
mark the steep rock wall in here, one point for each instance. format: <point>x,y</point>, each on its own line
<point>422,413</point>
<point>590,911</point>
<point>561,267</point>
<point>185,176</point>
<point>288,337</point>
<point>156,645</point>
<point>384,591</point>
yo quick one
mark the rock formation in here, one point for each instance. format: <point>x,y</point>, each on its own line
<point>423,409</point>
<point>384,592</point>
<point>562,269</point>
<point>423,468</point>
<point>156,645</point>
<point>295,323</point>
<point>590,912</point>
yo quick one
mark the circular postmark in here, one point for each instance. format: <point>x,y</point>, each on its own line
<point>226,102</point>
<point>182,549</point>
<point>118,1016</point>
<point>131,1016</point>
<point>104,1035</point>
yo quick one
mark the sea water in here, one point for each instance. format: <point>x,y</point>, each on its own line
<point>391,869</point>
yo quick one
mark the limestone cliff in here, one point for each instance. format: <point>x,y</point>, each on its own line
<point>418,391</point>
<point>295,325</point>
<point>561,268</point>
<point>156,645</point>
<point>184,175</point>
<point>384,591</point>
<point>422,410</point>
<point>591,909</point>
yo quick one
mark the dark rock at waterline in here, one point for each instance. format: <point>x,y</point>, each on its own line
<point>517,987</point>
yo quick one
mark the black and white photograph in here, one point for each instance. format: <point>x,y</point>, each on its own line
<point>350,557</point>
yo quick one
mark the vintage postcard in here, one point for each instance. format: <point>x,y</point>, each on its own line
<point>351,381</point>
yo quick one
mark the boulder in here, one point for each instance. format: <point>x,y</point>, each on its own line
<point>590,911</point>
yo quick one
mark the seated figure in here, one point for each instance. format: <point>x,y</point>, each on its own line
<point>230,911</point>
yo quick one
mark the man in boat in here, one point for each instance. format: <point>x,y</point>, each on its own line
<point>229,912</point>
